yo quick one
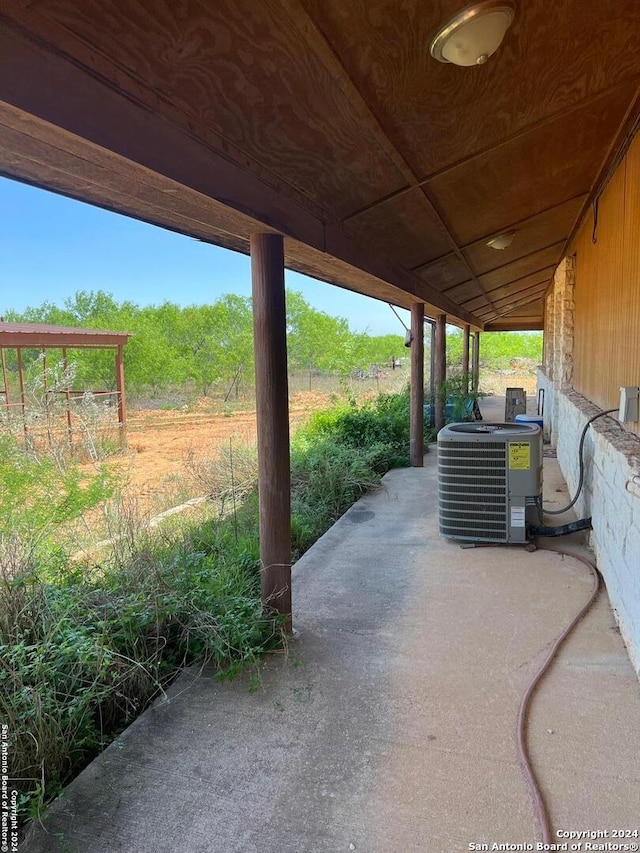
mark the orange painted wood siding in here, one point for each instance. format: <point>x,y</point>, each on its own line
<point>607,292</point>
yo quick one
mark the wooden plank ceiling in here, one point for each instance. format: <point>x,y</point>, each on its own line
<point>329,121</point>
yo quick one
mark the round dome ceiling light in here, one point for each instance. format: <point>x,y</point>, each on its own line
<point>501,241</point>
<point>474,34</point>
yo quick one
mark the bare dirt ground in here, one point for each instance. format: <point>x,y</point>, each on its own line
<point>496,382</point>
<point>160,443</point>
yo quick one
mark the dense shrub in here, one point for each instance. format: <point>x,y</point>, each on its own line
<point>327,477</point>
<point>498,349</point>
<point>80,656</point>
<point>339,455</point>
<point>37,494</point>
<point>380,429</point>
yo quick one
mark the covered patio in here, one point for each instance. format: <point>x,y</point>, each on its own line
<point>334,139</point>
<point>324,136</point>
<point>390,722</point>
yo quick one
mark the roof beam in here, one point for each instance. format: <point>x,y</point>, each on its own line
<point>519,303</point>
<point>323,48</point>
<point>102,119</point>
<point>514,326</point>
<point>509,300</point>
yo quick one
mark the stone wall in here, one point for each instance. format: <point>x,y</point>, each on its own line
<point>611,496</point>
<point>611,490</point>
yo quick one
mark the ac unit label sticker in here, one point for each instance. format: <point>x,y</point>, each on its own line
<point>519,456</point>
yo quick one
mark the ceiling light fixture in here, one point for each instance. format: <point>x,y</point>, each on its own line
<point>474,34</point>
<point>501,241</point>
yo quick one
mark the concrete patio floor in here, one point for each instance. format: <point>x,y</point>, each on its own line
<point>390,724</point>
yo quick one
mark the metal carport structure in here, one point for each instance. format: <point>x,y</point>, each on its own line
<point>21,336</point>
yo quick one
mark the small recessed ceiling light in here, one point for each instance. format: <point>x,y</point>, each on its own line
<point>501,241</point>
<point>474,34</point>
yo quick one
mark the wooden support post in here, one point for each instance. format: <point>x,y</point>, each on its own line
<point>475,368</point>
<point>432,369</point>
<point>45,390</point>
<point>272,415</point>
<point>465,358</point>
<point>122,403</point>
<point>7,401</point>
<point>416,443</point>
<point>67,394</point>
<point>22,393</point>
<point>440,370</point>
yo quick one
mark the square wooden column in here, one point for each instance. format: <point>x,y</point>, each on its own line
<point>440,370</point>
<point>416,443</point>
<point>272,414</point>
<point>5,383</point>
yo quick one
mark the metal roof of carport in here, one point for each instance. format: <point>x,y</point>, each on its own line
<point>328,122</point>
<point>42,335</point>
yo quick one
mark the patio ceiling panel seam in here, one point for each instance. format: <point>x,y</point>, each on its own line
<point>518,293</point>
<point>264,173</point>
<point>319,42</point>
<point>463,161</point>
<point>510,303</point>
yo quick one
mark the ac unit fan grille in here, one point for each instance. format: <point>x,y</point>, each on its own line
<point>473,490</point>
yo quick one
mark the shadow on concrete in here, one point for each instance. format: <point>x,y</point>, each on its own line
<point>389,724</point>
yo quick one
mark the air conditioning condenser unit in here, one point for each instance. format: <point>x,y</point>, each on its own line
<point>489,481</point>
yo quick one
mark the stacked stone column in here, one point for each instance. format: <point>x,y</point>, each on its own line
<point>559,333</point>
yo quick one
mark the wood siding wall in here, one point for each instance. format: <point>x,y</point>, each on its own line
<point>607,292</point>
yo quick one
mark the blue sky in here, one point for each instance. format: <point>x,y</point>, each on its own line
<point>51,247</point>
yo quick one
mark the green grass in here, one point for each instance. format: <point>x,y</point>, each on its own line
<point>82,655</point>
<point>83,649</point>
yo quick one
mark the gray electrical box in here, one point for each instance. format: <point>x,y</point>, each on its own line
<point>629,404</point>
<point>489,481</point>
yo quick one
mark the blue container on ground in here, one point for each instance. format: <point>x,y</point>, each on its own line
<point>530,419</point>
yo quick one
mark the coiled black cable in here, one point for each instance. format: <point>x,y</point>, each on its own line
<point>581,463</point>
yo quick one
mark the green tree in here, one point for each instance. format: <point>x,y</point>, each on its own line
<point>497,349</point>
<point>380,350</point>
<point>317,341</point>
<point>217,341</point>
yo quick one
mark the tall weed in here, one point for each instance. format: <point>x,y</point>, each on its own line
<point>82,654</point>
<point>83,648</point>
